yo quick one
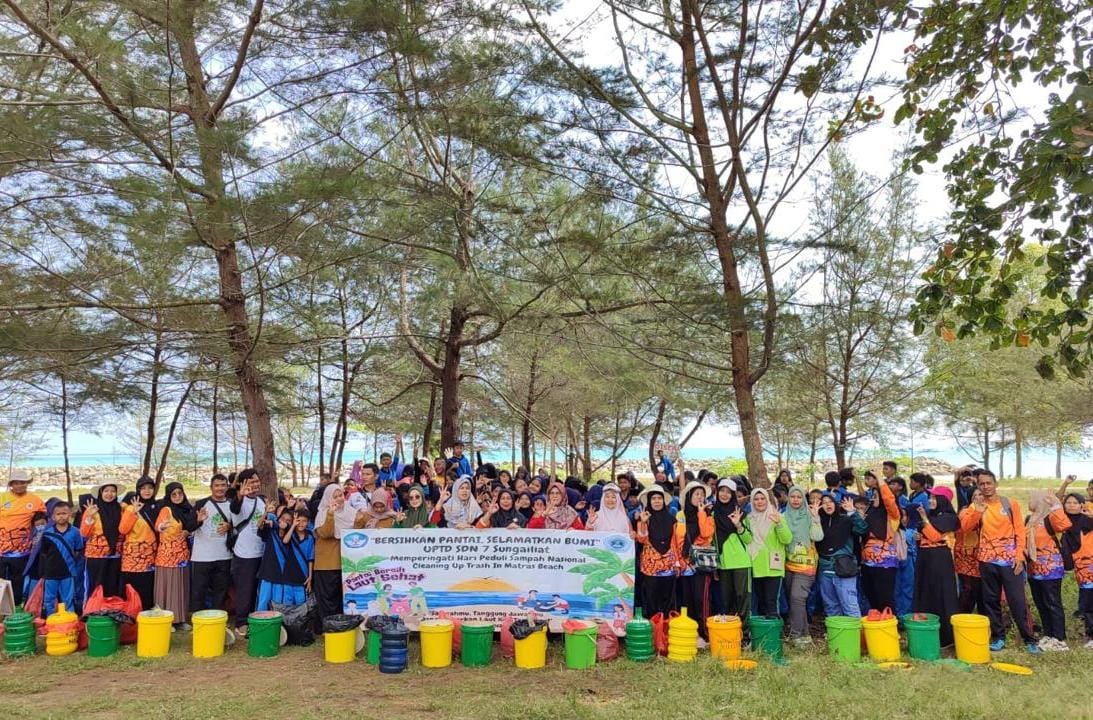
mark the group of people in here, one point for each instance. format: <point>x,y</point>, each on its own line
<point>714,545</point>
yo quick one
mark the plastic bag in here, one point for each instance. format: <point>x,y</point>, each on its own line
<point>382,623</point>
<point>660,631</point>
<point>607,643</point>
<point>875,615</point>
<point>457,630</point>
<point>298,621</point>
<point>341,623</point>
<point>508,648</point>
<point>522,629</point>
<point>129,605</point>
<point>33,603</point>
<point>116,615</point>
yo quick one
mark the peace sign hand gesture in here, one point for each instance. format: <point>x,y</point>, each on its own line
<point>90,509</point>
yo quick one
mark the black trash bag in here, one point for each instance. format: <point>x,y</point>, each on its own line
<point>298,621</point>
<point>382,623</point>
<point>116,615</point>
<point>341,623</point>
<point>522,629</point>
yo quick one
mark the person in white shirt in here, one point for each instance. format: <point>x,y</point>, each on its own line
<point>210,558</point>
<point>246,512</point>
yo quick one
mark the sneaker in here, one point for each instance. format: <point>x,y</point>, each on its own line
<point>1089,644</point>
<point>1033,648</point>
<point>1060,645</point>
<point>702,644</point>
<point>185,627</point>
<point>997,645</point>
<point>241,631</point>
<point>802,641</point>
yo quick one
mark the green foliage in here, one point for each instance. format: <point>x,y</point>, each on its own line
<point>1011,185</point>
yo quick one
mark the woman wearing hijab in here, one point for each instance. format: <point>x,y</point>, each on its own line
<point>558,514</point>
<point>803,521</point>
<point>175,521</point>
<point>458,509</point>
<point>502,513</point>
<point>1077,547</point>
<point>334,518</point>
<point>732,536</point>
<point>838,590</point>
<point>770,534</point>
<point>880,560</point>
<point>101,528</point>
<point>1045,522</point>
<point>935,574</point>
<point>378,514</point>
<point>659,562</point>
<point>138,551</point>
<point>611,517</point>
<point>694,528</point>
<point>523,505</point>
<point>415,515</point>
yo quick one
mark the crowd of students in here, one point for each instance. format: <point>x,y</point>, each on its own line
<point>712,544</point>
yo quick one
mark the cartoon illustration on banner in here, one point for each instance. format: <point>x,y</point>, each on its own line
<point>488,576</point>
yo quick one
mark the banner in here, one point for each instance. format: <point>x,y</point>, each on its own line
<point>490,574</point>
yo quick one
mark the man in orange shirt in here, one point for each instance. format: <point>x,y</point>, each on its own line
<point>1001,555</point>
<point>17,509</point>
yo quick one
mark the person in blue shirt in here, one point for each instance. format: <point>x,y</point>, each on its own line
<point>457,458</point>
<point>920,495</point>
<point>666,466</point>
<point>834,486</point>
<point>55,560</point>
<point>391,465</point>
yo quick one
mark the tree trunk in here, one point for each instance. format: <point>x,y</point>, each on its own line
<point>216,228</point>
<point>64,436</point>
<point>171,433</point>
<point>216,424</point>
<point>724,241</point>
<point>1017,452</point>
<point>812,453</point>
<point>691,434</point>
<point>529,406</point>
<point>430,420</point>
<point>449,379</point>
<point>987,447</point>
<point>1002,454</point>
<point>587,457</point>
<point>512,448</point>
<point>615,443</point>
<point>153,404</point>
<point>1059,457</point>
<point>654,435</point>
<point>320,406</point>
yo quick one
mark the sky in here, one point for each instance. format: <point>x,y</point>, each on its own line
<point>873,150</point>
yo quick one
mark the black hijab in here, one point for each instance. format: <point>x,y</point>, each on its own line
<point>1079,525</point>
<point>690,517</point>
<point>943,517</point>
<point>837,527</point>
<point>661,525</point>
<point>110,515</point>
<point>724,527</point>
<point>876,517</point>
<point>503,518</point>
<point>150,507</point>
<point>528,511</point>
<point>183,511</point>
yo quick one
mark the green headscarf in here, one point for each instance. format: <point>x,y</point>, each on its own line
<point>415,516</point>
<point>799,520</point>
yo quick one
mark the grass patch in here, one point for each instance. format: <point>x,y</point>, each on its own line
<point>299,685</point>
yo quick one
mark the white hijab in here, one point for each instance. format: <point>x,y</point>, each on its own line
<point>343,519</point>
<point>612,519</point>
<point>456,511</point>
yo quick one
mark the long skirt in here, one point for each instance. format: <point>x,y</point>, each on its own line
<point>105,572</point>
<point>172,590</point>
<point>935,588</point>
<point>145,585</point>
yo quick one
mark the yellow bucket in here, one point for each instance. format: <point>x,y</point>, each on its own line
<point>340,647</point>
<point>154,633</point>
<point>726,633</point>
<point>531,651</point>
<point>882,639</point>
<point>972,635</point>
<point>209,629</point>
<point>436,642</point>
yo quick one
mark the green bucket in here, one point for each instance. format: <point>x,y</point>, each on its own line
<point>477,644</point>
<point>102,636</point>
<point>372,654</point>
<point>766,636</point>
<point>923,637</point>
<point>580,648</point>
<point>263,634</point>
<point>844,638</point>
<point>20,636</point>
